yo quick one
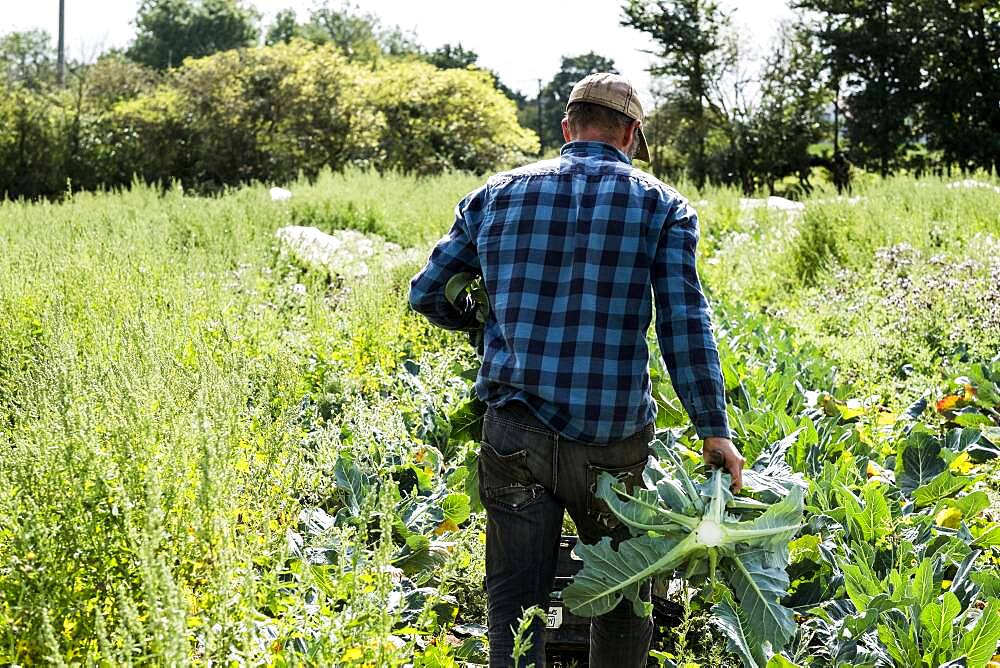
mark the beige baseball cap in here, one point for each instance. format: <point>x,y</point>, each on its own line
<point>615,92</point>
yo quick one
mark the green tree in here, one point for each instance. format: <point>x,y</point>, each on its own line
<point>284,29</point>
<point>876,47</point>
<point>457,57</point>
<point>32,145</point>
<point>696,49</point>
<point>27,58</point>
<point>961,87</point>
<point>168,31</point>
<point>450,57</point>
<point>790,114</point>
<point>555,95</point>
<point>438,120</point>
<point>360,36</point>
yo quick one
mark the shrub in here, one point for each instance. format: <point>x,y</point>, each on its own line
<point>435,120</point>
<point>262,114</point>
<point>32,144</point>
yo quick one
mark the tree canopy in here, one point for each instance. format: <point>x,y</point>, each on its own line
<point>168,31</point>
<point>695,50</point>
<point>27,58</point>
<point>544,113</point>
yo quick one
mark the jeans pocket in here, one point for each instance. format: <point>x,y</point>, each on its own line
<point>598,510</point>
<point>505,480</point>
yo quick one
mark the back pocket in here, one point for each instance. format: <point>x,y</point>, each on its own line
<point>506,480</point>
<point>629,475</point>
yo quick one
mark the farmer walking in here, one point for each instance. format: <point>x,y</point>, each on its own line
<point>573,253</point>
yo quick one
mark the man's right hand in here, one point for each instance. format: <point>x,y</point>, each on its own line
<point>720,452</point>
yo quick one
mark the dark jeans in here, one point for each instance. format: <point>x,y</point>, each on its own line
<point>528,476</point>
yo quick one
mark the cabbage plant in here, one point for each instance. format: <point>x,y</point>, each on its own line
<point>740,544</point>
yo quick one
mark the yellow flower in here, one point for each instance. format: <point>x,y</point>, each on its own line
<point>353,654</point>
<point>948,517</point>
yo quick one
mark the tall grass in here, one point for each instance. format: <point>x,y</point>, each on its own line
<point>172,395</point>
<point>897,286</point>
<point>408,210</point>
<point>153,359</point>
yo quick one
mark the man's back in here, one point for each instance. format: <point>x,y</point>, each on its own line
<point>572,252</point>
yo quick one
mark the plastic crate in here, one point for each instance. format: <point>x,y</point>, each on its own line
<point>567,637</point>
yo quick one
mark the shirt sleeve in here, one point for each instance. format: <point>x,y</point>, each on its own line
<point>684,327</point>
<point>454,254</point>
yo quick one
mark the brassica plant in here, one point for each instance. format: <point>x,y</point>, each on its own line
<point>740,544</point>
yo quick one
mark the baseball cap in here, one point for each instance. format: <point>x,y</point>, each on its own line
<point>615,92</point>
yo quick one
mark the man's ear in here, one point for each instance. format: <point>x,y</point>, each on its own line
<point>631,135</point>
<point>565,128</point>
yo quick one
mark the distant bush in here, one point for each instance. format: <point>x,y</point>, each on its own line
<point>433,120</point>
<point>267,114</point>
<point>33,136</point>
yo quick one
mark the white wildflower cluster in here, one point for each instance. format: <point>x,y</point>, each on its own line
<point>972,183</point>
<point>775,203</point>
<point>344,254</point>
<point>840,199</point>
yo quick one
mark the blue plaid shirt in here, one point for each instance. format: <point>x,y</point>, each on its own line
<point>573,252</point>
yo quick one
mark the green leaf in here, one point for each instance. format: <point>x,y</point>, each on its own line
<point>970,505</point>
<point>915,410</point>
<point>988,581</point>
<point>609,575</point>
<point>467,421</point>
<point>989,537</point>
<point>759,588</point>
<point>980,643</point>
<point>666,451</point>
<point>456,285</point>
<point>873,519</point>
<point>351,482</point>
<point>876,517</point>
<point>639,509</point>
<point>920,461</point>
<point>861,583</point>
<point>773,529</point>
<point>420,555</point>
<point>732,622</point>
<point>924,588</point>
<point>944,485</point>
<point>900,645</point>
<point>938,620</point>
<point>472,481</point>
<point>972,419</point>
<point>959,440</point>
<point>456,507</point>
<point>668,411</point>
<point>670,490</point>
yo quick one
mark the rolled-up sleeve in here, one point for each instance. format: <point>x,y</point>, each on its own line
<point>684,327</point>
<point>454,254</point>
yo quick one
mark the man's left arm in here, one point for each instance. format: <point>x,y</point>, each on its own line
<point>684,330</point>
<point>454,254</point>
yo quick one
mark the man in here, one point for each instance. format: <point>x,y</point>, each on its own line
<point>573,252</point>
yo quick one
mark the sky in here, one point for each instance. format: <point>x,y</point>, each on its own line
<point>522,40</point>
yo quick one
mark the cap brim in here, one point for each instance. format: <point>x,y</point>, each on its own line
<point>643,151</point>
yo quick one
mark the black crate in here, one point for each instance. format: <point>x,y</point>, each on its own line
<point>567,638</point>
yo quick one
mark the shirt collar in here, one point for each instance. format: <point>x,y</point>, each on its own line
<point>593,149</point>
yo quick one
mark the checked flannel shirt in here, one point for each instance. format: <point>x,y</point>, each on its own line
<point>573,252</point>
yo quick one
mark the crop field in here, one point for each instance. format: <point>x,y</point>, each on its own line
<point>213,453</point>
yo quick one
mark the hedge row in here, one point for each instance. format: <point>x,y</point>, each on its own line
<point>266,114</point>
